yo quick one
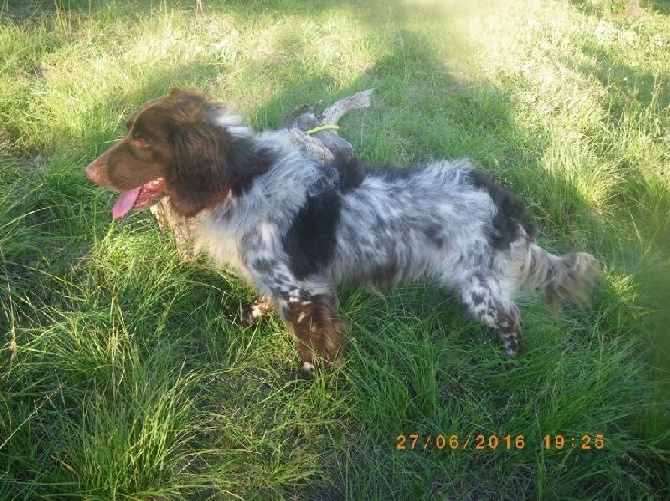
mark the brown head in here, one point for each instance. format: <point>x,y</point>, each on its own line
<point>183,146</point>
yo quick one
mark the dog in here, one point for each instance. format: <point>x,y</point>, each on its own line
<point>296,229</point>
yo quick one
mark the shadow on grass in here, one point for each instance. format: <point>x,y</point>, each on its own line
<point>660,6</point>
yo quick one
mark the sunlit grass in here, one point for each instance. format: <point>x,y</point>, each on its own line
<point>127,372</point>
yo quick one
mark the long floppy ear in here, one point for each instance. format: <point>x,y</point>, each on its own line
<point>203,153</point>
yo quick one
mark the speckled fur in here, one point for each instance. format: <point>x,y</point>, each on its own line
<point>431,222</point>
<point>297,229</point>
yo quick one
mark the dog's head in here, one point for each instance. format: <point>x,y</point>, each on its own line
<point>182,146</point>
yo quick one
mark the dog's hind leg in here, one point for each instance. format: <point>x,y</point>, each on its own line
<point>488,302</point>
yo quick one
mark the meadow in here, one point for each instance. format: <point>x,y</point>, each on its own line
<point>128,372</point>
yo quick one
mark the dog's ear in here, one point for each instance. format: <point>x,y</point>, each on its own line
<point>203,153</point>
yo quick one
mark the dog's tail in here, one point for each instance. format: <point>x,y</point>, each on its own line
<point>561,277</point>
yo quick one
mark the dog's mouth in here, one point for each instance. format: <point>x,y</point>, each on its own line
<point>138,198</point>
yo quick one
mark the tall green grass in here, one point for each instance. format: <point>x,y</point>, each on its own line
<point>127,372</point>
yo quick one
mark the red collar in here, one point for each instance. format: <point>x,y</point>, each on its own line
<point>224,192</point>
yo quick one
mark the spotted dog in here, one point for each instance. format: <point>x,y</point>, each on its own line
<point>297,229</point>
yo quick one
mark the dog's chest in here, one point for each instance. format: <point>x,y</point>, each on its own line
<point>220,244</point>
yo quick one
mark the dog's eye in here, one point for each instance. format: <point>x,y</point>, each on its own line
<point>140,141</point>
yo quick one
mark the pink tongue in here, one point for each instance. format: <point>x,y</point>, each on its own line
<point>125,202</point>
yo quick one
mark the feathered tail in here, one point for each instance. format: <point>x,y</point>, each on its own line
<point>569,277</point>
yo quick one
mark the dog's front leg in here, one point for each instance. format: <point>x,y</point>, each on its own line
<point>316,325</point>
<point>309,308</point>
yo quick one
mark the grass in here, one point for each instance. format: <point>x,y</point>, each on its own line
<point>127,373</point>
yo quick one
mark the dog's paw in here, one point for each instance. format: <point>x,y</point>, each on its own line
<point>258,309</point>
<point>307,371</point>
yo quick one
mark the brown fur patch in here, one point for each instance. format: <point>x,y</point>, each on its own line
<point>178,139</point>
<point>317,327</point>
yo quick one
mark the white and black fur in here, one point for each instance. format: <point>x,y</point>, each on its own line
<point>297,229</point>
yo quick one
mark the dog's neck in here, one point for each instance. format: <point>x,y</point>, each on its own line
<point>223,193</point>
